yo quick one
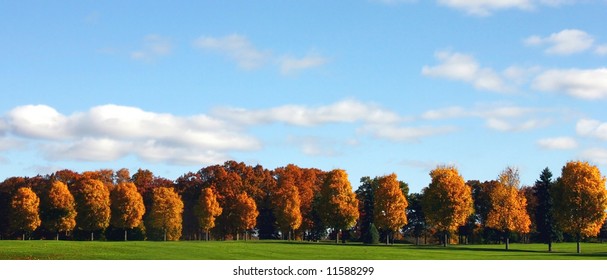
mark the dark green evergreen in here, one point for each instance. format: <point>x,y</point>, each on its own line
<point>546,227</point>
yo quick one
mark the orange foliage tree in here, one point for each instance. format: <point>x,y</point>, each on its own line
<point>93,205</point>
<point>127,207</point>
<point>390,205</point>
<point>338,206</point>
<point>58,209</point>
<point>207,208</point>
<point>287,207</point>
<point>508,212</point>
<point>245,214</point>
<point>447,201</point>
<point>25,211</point>
<point>580,200</point>
<point>165,213</point>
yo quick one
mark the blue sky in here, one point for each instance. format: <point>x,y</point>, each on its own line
<point>372,87</point>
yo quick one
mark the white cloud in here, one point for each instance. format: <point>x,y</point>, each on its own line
<point>581,83</point>
<point>565,42</point>
<point>110,132</point>
<point>38,121</point>
<point>558,143</point>
<point>592,128</point>
<point>346,111</point>
<point>317,147</point>
<point>479,111</point>
<point>596,155</point>
<point>237,48</point>
<point>154,46</point>
<point>404,133</point>
<point>463,67</point>
<point>516,126</point>
<point>487,7</point>
<point>289,65</point>
<point>601,49</point>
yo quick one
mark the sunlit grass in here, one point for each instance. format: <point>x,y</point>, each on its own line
<point>284,250</point>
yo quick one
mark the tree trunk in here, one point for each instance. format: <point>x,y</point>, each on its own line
<point>125,239</point>
<point>337,237</point>
<point>579,250</point>
<point>92,236</point>
<point>57,238</point>
<point>549,245</point>
<point>507,243</point>
<point>207,235</point>
<point>23,238</point>
<point>387,238</point>
<point>446,241</point>
<point>165,235</point>
<point>416,240</point>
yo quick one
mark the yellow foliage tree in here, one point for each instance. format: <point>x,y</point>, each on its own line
<point>390,205</point>
<point>59,211</point>
<point>287,207</point>
<point>127,207</point>
<point>508,211</point>
<point>165,214</point>
<point>338,206</point>
<point>580,200</point>
<point>245,211</point>
<point>447,201</point>
<point>24,209</point>
<point>93,205</point>
<point>207,209</point>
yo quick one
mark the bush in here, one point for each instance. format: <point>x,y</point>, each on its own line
<point>371,236</point>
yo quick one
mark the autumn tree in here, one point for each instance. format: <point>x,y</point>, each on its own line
<point>508,211</point>
<point>58,209</point>
<point>287,211</point>
<point>24,211</point>
<point>207,209</point>
<point>447,201</point>
<point>244,214</point>
<point>580,200</point>
<point>544,215</point>
<point>165,213</point>
<point>337,203</point>
<point>93,205</point>
<point>126,206</point>
<point>390,205</point>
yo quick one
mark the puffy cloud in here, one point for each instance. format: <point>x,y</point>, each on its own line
<point>463,67</point>
<point>592,128</point>
<point>110,132</point>
<point>346,111</point>
<point>237,48</point>
<point>558,143</point>
<point>580,83</point>
<point>154,46</point>
<point>38,121</point>
<point>565,42</point>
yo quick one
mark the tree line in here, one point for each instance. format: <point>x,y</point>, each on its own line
<point>235,200</point>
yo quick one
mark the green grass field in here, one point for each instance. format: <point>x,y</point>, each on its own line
<point>283,250</point>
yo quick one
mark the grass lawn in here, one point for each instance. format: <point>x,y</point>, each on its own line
<point>283,250</point>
